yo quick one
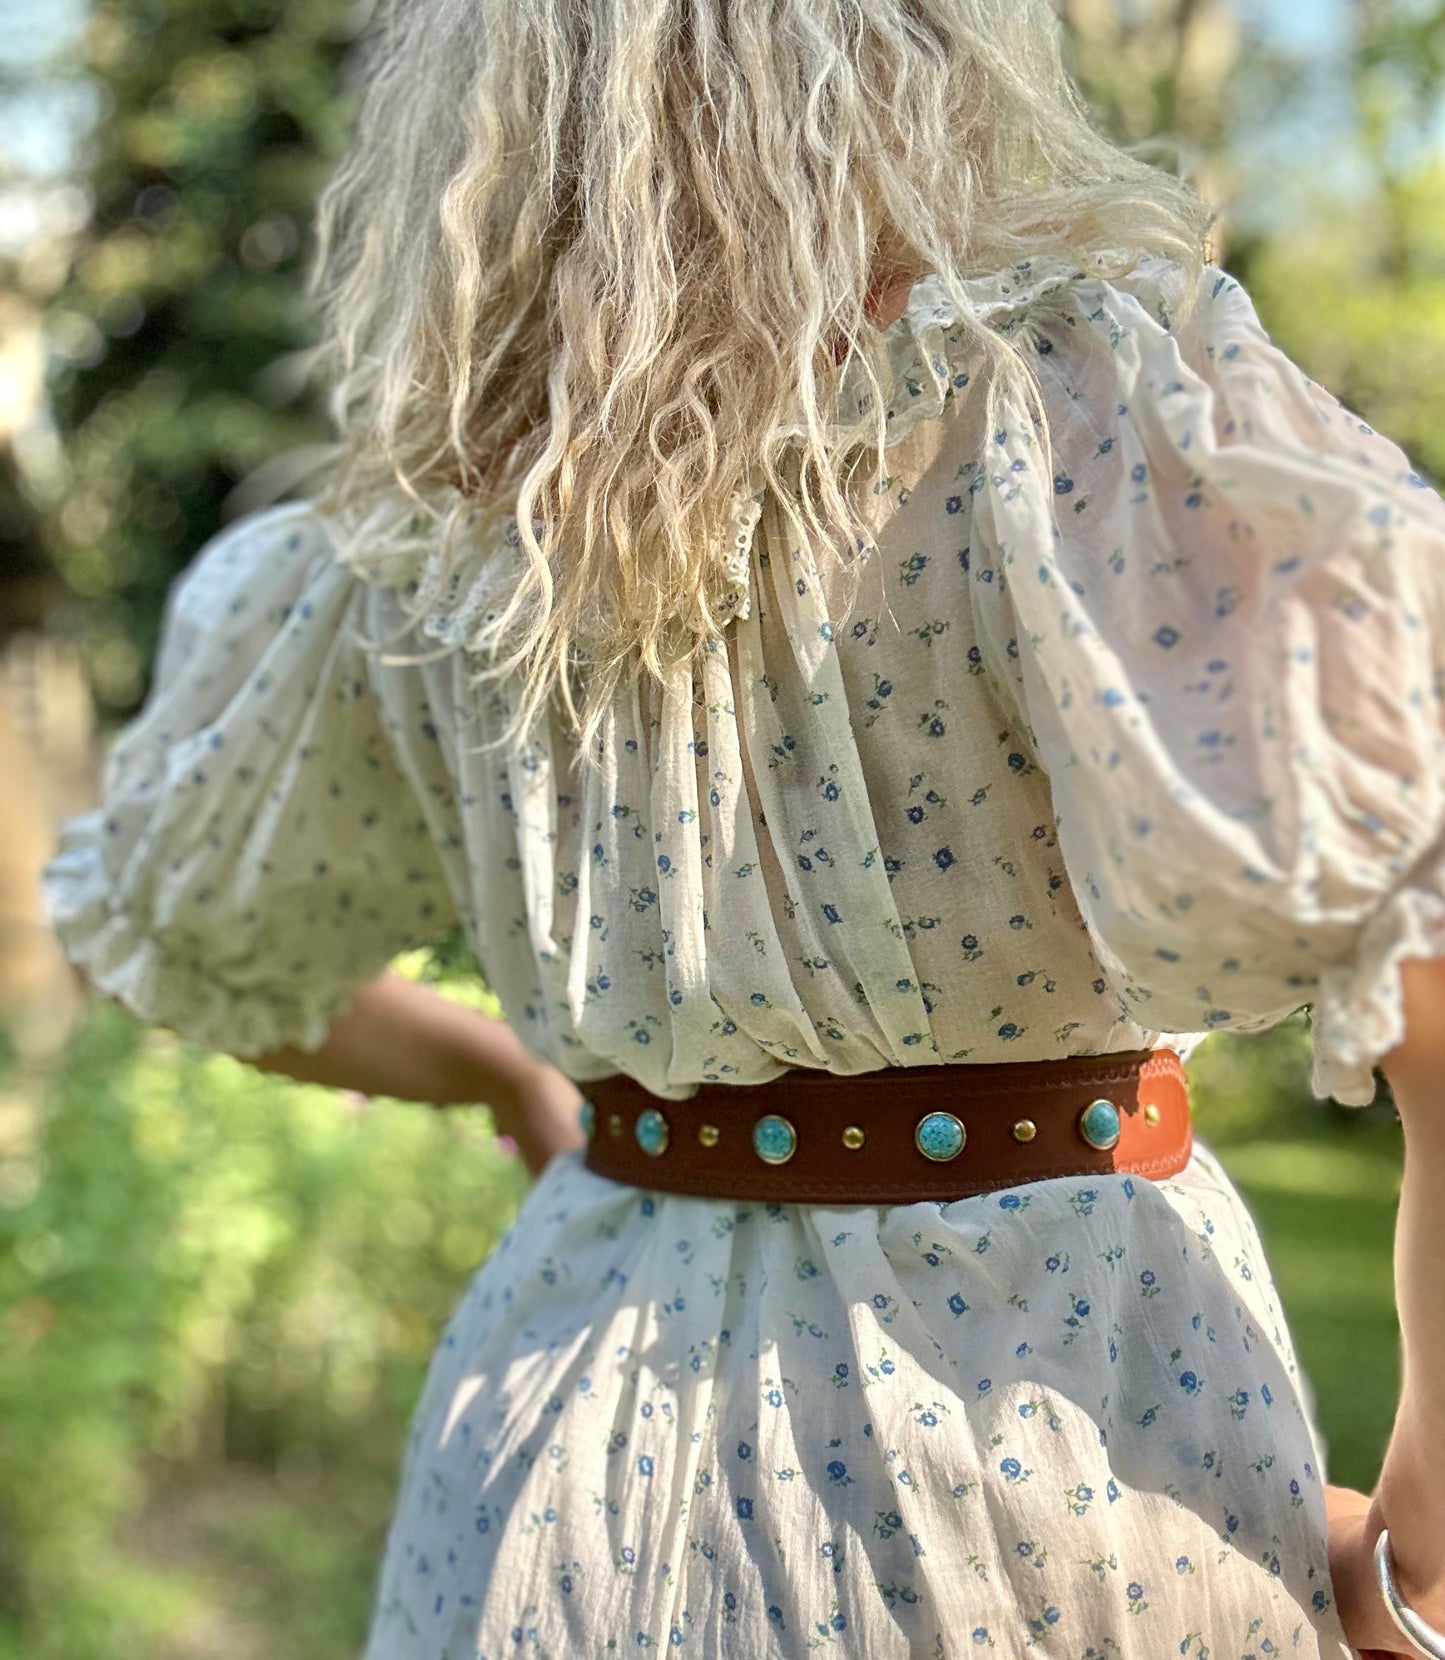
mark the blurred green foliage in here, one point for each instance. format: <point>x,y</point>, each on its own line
<point>179,328</point>
<point>1358,298</point>
<point>1356,291</point>
<point>211,1273</point>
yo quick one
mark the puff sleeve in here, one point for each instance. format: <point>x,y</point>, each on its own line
<point>1223,620</point>
<point>259,850</point>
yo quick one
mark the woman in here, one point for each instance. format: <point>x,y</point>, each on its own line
<point>821,576</point>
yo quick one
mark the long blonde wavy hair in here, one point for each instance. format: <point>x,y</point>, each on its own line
<point>583,258</point>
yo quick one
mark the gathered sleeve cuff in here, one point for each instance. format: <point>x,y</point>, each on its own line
<point>161,982</point>
<point>1357,1016</point>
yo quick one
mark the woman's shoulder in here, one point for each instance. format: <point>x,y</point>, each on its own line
<point>248,560</point>
<point>243,584</point>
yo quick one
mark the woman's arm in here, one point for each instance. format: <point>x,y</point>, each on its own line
<point>1409,1498</point>
<point>1411,1490</point>
<point>402,1039</point>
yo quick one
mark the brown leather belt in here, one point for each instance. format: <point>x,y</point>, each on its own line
<point>899,1135</point>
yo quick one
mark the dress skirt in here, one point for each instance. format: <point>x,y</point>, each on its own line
<point>1063,1419</point>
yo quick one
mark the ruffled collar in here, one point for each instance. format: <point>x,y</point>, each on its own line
<point>455,600</point>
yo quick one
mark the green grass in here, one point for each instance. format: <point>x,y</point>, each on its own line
<point>1325,1208</point>
<point>1322,1183</point>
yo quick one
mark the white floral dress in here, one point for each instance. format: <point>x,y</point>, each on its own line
<point>1144,748</point>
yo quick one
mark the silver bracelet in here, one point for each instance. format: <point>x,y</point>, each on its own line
<point>1423,1637</point>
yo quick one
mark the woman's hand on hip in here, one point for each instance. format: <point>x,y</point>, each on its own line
<point>542,1118</point>
<point>1355,1521</point>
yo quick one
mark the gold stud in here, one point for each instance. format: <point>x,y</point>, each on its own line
<point>1151,1114</point>
<point>853,1137</point>
<point>1025,1129</point>
<point>614,1124</point>
<point>707,1134</point>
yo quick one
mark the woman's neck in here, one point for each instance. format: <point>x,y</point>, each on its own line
<point>884,304</point>
<point>888,297</point>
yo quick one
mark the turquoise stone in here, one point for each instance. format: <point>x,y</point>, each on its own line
<point>587,1117</point>
<point>774,1139</point>
<point>940,1136</point>
<point>651,1131</point>
<point>1099,1124</point>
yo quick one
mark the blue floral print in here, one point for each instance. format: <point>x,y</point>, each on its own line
<point>990,819</point>
<point>834,1479</point>
<point>1080,772</point>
